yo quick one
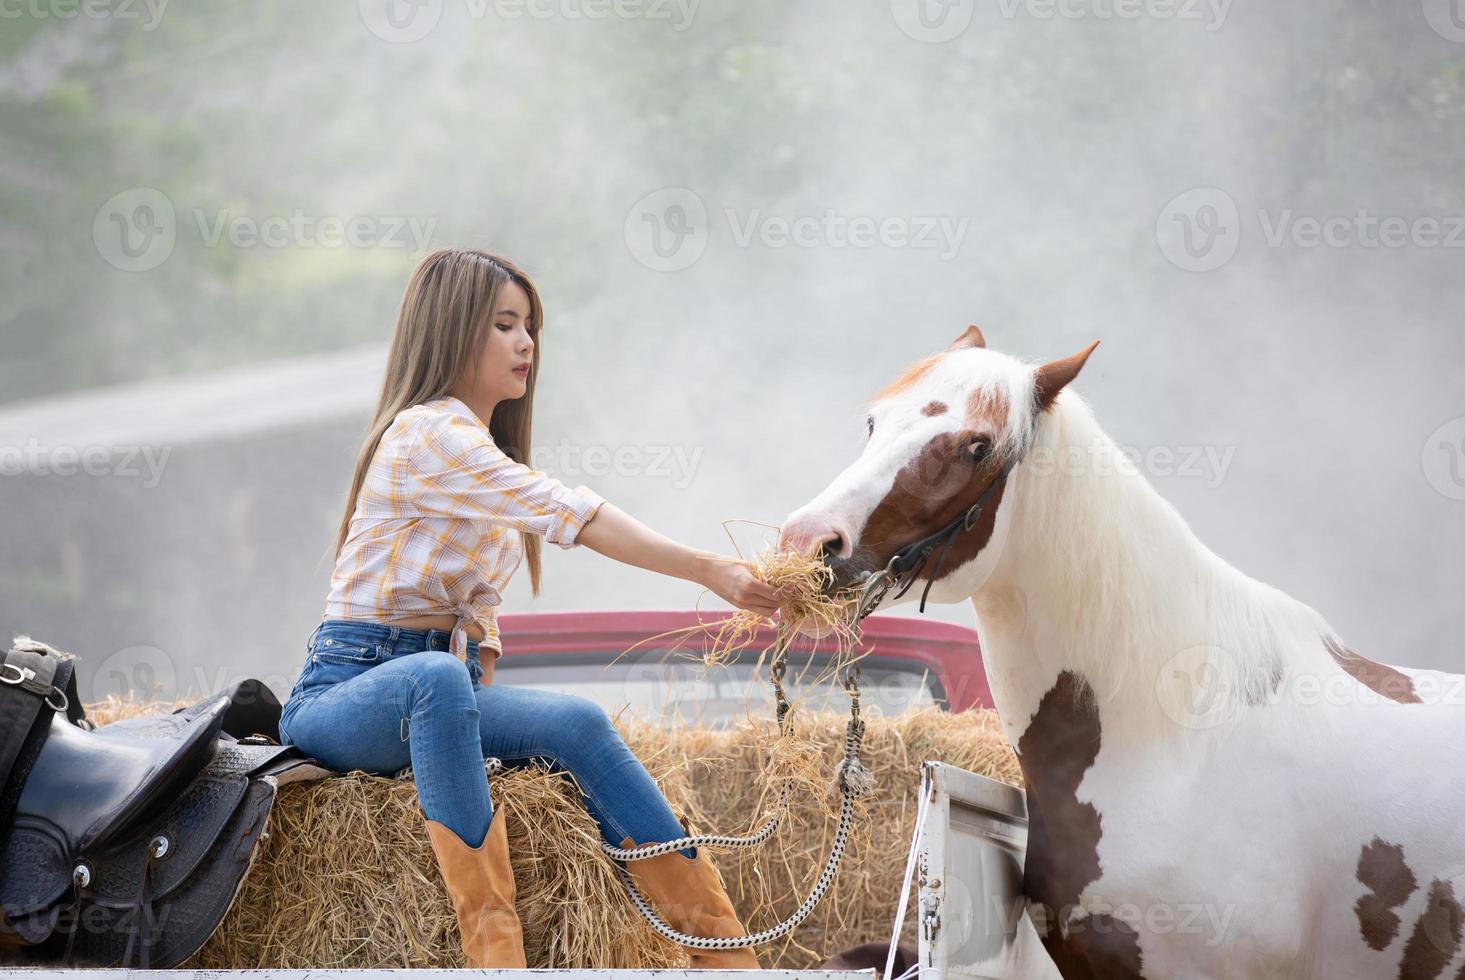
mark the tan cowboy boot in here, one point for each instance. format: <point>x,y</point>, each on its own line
<point>690,897</point>
<point>481,885</point>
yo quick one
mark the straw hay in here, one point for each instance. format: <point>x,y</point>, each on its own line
<point>808,603</point>
<point>346,877</point>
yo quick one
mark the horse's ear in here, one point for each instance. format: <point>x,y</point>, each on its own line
<point>972,337</point>
<point>1054,376</point>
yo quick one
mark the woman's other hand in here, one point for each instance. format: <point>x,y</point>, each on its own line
<point>735,583</point>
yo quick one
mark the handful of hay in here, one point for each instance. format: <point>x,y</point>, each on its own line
<point>808,606</point>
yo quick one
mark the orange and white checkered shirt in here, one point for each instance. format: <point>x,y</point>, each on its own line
<point>434,526</point>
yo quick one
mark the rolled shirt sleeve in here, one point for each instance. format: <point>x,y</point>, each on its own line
<point>458,471</point>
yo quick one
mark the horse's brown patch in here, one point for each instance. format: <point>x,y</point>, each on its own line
<point>1059,745</point>
<point>1379,678</point>
<point>934,408</point>
<point>938,484</point>
<point>929,492</point>
<point>1436,936</point>
<point>1382,870</point>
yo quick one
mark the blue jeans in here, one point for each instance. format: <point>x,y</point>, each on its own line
<point>379,698</point>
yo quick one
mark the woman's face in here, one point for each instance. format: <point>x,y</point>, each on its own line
<point>503,368</point>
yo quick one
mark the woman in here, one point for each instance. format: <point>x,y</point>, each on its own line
<point>441,510</point>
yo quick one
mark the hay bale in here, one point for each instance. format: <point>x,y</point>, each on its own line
<point>346,876</point>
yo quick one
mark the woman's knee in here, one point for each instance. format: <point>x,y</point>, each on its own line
<point>578,716</point>
<point>440,677</point>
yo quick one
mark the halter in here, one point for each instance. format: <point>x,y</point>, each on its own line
<point>906,564</point>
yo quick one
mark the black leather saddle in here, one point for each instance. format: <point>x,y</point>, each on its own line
<point>125,844</point>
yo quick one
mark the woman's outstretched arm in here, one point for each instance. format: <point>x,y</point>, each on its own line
<point>618,535</point>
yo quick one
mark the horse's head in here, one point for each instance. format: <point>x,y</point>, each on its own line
<point>942,437</point>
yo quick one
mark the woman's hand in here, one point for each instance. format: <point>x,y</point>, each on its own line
<point>735,583</point>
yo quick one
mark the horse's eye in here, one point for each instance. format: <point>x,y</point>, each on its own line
<point>979,448</point>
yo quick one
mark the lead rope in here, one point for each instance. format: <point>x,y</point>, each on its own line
<point>852,777</point>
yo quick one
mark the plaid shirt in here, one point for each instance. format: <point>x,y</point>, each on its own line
<point>435,522</point>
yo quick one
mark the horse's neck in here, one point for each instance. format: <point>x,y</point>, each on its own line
<point>1101,578</point>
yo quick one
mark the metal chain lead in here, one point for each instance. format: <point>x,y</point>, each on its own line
<point>854,780</point>
<point>853,735</point>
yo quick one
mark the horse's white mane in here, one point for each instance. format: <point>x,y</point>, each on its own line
<point>1131,585</point>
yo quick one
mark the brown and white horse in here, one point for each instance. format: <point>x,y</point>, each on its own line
<point>1217,786</point>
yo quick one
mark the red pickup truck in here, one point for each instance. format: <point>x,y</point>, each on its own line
<point>908,664</point>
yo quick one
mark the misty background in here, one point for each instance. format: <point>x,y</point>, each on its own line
<point>744,217</point>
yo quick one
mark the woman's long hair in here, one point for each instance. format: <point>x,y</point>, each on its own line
<point>442,326</point>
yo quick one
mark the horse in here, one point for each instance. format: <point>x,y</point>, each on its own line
<point>1217,786</point>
